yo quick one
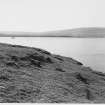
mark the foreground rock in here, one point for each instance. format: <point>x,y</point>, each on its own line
<point>37,76</point>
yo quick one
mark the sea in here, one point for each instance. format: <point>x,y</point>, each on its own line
<point>89,51</point>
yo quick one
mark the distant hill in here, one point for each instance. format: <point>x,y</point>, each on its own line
<point>79,32</point>
<point>94,32</point>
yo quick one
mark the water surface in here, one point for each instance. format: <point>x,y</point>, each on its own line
<point>89,51</point>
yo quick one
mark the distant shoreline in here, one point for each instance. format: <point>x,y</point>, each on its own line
<point>52,36</point>
<point>69,33</point>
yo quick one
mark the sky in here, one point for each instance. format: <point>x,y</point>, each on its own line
<point>49,15</point>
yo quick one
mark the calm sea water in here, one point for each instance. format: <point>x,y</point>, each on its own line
<point>89,51</point>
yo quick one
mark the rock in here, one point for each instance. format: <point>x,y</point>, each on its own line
<point>32,75</point>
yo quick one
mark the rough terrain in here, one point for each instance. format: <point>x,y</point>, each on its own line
<point>32,75</point>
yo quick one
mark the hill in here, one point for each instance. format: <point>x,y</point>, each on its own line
<point>92,32</point>
<point>79,32</point>
<point>32,75</point>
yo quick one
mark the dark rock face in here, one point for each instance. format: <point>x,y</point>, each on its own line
<point>37,76</point>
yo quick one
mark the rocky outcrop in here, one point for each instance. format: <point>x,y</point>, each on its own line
<point>37,76</point>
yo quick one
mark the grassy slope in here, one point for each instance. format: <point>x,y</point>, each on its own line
<point>34,75</point>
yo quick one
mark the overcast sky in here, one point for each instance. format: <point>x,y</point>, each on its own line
<point>46,15</point>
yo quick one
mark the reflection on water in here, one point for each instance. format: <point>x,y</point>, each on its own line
<point>90,51</point>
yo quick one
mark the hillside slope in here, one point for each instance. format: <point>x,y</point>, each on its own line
<point>37,76</point>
